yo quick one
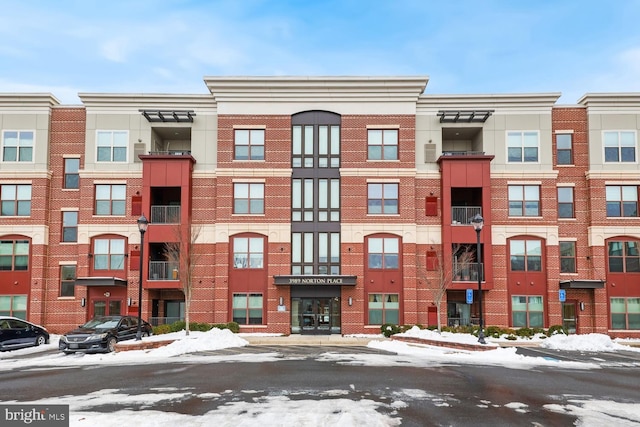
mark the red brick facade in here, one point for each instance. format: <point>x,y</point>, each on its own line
<point>207,201</point>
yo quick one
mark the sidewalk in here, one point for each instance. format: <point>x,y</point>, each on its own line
<point>316,340</point>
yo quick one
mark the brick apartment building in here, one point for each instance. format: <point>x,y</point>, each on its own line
<point>322,205</point>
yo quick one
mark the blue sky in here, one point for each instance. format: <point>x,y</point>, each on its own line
<point>168,46</point>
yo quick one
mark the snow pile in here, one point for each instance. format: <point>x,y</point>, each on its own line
<point>451,337</point>
<point>586,342</point>
<point>214,339</point>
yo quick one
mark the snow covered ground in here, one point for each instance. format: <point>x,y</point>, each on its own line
<point>327,410</point>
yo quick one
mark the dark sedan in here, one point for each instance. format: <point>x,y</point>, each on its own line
<point>101,334</point>
<point>18,333</point>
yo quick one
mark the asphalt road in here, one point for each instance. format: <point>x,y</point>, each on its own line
<point>460,395</point>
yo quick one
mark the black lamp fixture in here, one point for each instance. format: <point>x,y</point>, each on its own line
<point>478,222</point>
<point>143,223</point>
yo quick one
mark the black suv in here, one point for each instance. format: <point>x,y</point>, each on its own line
<point>101,334</point>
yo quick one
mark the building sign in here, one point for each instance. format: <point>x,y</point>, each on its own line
<point>469,296</point>
<point>315,280</point>
<point>562,295</point>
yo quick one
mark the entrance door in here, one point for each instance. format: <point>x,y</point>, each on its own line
<point>569,318</point>
<point>109,307</point>
<point>316,315</point>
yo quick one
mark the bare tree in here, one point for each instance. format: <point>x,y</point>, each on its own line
<point>181,253</point>
<point>463,256</point>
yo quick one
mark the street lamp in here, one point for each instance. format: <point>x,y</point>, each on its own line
<point>478,223</point>
<point>143,223</point>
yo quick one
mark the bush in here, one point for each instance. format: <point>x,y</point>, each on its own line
<point>525,332</point>
<point>232,326</point>
<point>389,329</point>
<point>556,329</point>
<point>494,331</point>
<point>161,329</point>
<point>194,326</point>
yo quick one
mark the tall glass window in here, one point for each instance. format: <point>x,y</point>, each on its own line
<point>527,311</point>
<point>248,252</point>
<point>384,253</point>
<point>526,255</point>
<point>564,148</point>
<point>108,254</point>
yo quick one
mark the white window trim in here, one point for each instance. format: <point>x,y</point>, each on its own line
<point>33,147</point>
<point>506,147</point>
<point>619,162</point>
<point>111,161</point>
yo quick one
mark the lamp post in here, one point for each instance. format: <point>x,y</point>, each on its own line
<point>478,223</point>
<point>143,223</point>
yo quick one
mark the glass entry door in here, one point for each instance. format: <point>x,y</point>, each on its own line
<point>569,318</point>
<point>111,307</point>
<point>316,315</point>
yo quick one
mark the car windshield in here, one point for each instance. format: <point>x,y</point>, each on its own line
<point>101,323</point>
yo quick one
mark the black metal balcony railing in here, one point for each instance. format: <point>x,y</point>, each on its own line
<point>163,270</point>
<point>169,214</point>
<point>461,215</point>
<point>468,273</point>
<point>170,153</point>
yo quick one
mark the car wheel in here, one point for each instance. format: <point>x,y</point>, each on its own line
<point>40,340</point>
<point>111,344</point>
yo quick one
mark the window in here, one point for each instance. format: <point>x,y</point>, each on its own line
<point>382,144</point>
<point>112,145</point>
<point>302,199</point>
<point>111,199</point>
<point>527,312</point>
<point>247,309</point>
<point>624,257</point>
<point>567,257</point>
<point>15,199</point>
<point>70,226</point>
<point>249,144</point>
<point>108,254</point>
<point>248,252</point>
<point>14,255</point>
<point>565,202</point>
<point>625,313</point>
<point>315,253</point>
<point>524,200</point>
<point>622,200</point>
<point>71,173</point>
<point>619,146</point>
<point>382,198</point>
<point>248,198</point>
<point>13,305</point>
<point>326,148</point>
<point>67,280</point>
<point>384,308</point>
<point>384,253</point>
<point>526,255</point>
<point>522,147</point>
<point>564,148</point>
<point>17,146</point>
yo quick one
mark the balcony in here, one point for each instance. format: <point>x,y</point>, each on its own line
<point>461,215</point>
<point>468,273</point>
<point>163,270</point>
<point>165,214</point>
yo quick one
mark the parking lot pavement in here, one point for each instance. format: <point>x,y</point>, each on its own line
<point>612,359</point>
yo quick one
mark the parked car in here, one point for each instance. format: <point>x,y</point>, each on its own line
<point>18,333</point>
<point>101,334</point>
